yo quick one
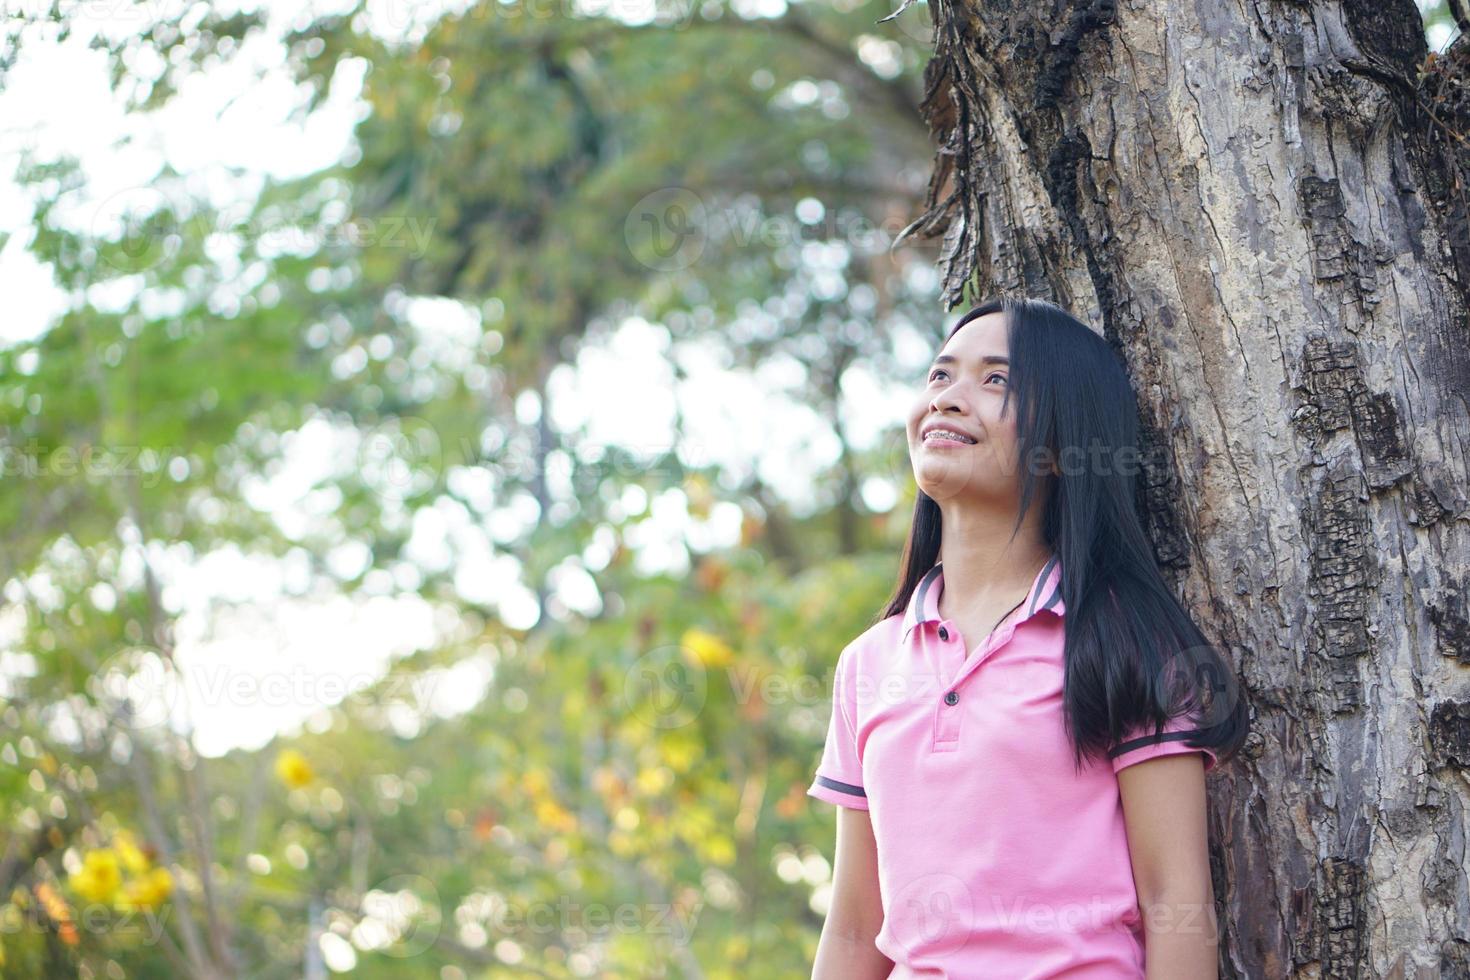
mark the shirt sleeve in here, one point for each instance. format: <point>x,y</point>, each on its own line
<point>1140,743</point>
<point>839,777</point>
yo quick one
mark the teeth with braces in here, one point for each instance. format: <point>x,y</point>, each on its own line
<point>948,434</point>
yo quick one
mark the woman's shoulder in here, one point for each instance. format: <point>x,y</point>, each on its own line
<point>873,646</point>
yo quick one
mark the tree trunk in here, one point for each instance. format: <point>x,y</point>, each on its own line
<point>1260,204</point>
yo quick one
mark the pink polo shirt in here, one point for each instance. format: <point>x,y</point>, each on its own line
<point>995,860</point>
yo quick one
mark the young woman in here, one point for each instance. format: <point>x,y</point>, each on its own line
<point>1019,742</point>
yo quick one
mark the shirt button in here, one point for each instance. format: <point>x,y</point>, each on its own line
<point>952,697</point>
<point>943,633</point>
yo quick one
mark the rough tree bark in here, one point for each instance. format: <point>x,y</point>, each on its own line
<point>1261,204</point>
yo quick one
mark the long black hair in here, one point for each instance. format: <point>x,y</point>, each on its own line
<point>1134,657</point>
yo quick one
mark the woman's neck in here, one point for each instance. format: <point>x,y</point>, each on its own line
<point>983,563</point>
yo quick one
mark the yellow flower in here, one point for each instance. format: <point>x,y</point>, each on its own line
<point>680,755</point>
<point>622,844</point>
<point>705,649</point>
<point>535,782</point>
<point>697,492</point>
<point>720,850</point>
<point>147,891</point>
<point>133,858</point>
<point>293,769</point>
<point>99,877</point>
<point>551,814</point>
<point>652,781</point>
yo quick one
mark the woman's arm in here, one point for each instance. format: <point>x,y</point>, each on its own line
<point>846,950</point>
<point>1164,812</point>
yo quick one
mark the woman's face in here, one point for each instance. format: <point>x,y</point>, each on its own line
<point>963,392</point>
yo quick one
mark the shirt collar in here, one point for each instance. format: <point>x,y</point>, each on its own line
<point>1046,593</point>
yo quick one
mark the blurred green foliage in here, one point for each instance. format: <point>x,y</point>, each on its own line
<point>627,796</point>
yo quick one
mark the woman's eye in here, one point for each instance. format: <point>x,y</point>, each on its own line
<point>938,371</point>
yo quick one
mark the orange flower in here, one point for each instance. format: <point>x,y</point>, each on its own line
<point>59,912</point>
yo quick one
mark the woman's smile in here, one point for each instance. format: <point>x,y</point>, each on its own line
<point>945,438</point>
